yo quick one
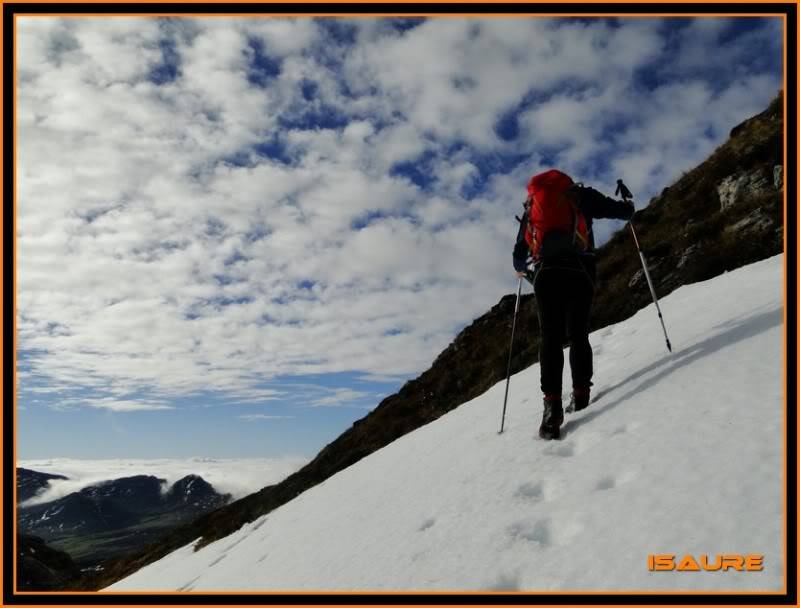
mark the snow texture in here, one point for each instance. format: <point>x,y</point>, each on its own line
<point>678,453</point>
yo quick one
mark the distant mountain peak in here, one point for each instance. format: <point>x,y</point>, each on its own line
<point>133,509</point>
<point>31,483</point>
<point>191,487</point>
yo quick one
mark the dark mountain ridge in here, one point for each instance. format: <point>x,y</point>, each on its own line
<point>726,213</point>
<point>116,504</point>
<point>102,522</point>
<point>42,568</point>
<point>30,483</point>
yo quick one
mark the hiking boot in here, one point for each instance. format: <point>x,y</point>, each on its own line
<point>579,400</point>
<point>552,417</point>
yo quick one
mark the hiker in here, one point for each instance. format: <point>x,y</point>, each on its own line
<point>556,233</point>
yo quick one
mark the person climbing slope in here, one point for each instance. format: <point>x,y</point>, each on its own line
<point>556,234</point>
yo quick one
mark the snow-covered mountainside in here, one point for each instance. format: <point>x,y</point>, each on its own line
<point>679,454</point>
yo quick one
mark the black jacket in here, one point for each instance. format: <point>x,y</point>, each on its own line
<point>593,205</point>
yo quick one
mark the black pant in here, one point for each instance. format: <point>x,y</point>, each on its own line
<point>564,302</point>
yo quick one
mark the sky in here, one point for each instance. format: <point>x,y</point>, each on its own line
<point>235,236</point>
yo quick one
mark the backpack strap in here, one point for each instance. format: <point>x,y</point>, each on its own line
<point>574,224</point>
<point>571,193</point>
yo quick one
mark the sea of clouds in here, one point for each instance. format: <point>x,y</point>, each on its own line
<point>238,477</point>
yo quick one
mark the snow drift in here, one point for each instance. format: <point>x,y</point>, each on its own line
<point>680,453</point>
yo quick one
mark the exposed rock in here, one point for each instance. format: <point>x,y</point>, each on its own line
<point>687,255</point>
<point>777,176</point>
<point>727,190</point>
<point>656,266</point>
<point>671,281</point>
<point>733,188</point>
<point>42,568</point>
<point>757,221</point>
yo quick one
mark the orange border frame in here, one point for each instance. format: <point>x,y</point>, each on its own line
<point>522,13</point>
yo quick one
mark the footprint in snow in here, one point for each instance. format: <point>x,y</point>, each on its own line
<point>563,450</point>
<point>538,532</point>
<point>606,483</point>
<point>544,533</point>
<point>609,482</point>
<point>626,428</point>
<point>506,582</point>
<point>418,556</point>
<point>531,491</point>
<point>428,523</point>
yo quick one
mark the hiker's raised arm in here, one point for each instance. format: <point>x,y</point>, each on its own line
<point>598,205</point>
<point>521,249</point>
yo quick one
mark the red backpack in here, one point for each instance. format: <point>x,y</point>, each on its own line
<point>553,212</point>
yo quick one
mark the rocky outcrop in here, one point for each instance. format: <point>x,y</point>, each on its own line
<point>688,255</point>
<point>736,188</point>
<point>42,568</point>
<point>757,222</point>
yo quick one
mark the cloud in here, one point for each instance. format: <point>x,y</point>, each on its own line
<point>122,405</point>
<point>380,378</point>
<point>238,477</point>
<point>258,395</point>
<point>46,390</point>
<point>253,417</point>
<point>340,397</point>
<point>210,205</point>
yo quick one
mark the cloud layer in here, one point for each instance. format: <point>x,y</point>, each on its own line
<point>238,477</point>
<point>206,205</point>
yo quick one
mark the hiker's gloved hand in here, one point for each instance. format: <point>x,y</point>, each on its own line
<point>629,202</point>
<point>528,275</point>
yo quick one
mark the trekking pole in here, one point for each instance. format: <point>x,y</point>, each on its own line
<point>510,352</point>
<point>626,195</point>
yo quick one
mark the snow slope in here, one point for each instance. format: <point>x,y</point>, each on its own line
<point>679,453</point>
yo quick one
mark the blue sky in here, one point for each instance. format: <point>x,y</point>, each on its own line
<point>236,236</point>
